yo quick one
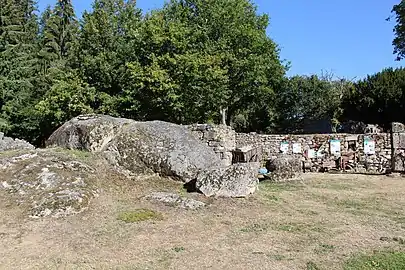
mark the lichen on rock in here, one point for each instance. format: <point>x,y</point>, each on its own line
<point>47,182</point>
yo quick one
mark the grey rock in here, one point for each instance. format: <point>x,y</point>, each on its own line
<point>48,183</point>
<point>9,144</point>
<point>398,127</point>
<point>175,200</point>
<point>284,168</point>
<point>138,147</point>
<point>238,180</point>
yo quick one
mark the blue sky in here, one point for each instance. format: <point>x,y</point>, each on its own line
<point>349,38</point>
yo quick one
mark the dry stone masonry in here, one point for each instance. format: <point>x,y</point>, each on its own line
<point>221,138</point>
<point>369,152</point>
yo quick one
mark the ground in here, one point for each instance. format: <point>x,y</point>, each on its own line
<point>318,223</point>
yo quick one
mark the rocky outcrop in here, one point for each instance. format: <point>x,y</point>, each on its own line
<point>175,200</point>
<point>8,144</point>
<point>284,168</point>
<point>138,147</point>
<point>158,147</point>
<point>238,180</point>
<point>48,183</point>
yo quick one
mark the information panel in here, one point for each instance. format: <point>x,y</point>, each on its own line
<point>284,147</point>
<point>335,147</point>
<point>369,146</point>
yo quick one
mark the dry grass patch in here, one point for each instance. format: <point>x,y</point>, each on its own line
<point>318,223</point>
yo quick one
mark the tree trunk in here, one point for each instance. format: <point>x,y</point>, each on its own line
<point>223,115</point>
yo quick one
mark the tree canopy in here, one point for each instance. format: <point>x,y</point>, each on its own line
<point>399,30</point>
<point>187,62</point>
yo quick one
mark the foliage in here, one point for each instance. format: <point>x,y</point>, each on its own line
<point>106,43</point>
<point>399,30</point>
<point>307,99</point>
<point>378,260</point>
<point>378,99</point>
<point>190,61</point>
<point>18,64</point>
<point>67,98</point>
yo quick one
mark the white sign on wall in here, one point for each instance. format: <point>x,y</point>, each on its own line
<point>297,149</point>
<point>335,147</point>
<point>284,147</point>
<point>369,146</point>
<point>311,153</point>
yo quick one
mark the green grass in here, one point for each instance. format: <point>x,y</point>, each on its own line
<point>254,228</point>
<point>139,215</point>
<point>324,248</point>
<point>312,266</point>
<point>299,227</point>
<point>378,260</point>
<point>281,187</point>
<point>83,155</point>
<point>179,249</point>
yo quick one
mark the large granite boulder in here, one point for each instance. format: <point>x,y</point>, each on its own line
<point>285,168</point>
<point>47,183</point>
<point>8,144</point>
<point>238,180</point>
<point>138,147</point>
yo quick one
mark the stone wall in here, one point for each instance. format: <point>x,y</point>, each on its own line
<point>319,145</point>
<point>315,148</point>
<point>221,138</point>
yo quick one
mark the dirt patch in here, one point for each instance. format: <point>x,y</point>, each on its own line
<point>318,223</point>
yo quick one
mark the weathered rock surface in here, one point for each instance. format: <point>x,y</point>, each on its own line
<point>138,147</point>
<point>175,200</point>
<point>46,182</point>
<point>7,144</point>
<point>284,168</point>
<point>238,180</point>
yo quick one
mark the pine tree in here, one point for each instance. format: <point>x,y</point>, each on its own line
<point>59,28</point>
<point>18,65</point>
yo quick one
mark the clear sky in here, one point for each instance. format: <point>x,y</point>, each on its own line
<point>349,38</point>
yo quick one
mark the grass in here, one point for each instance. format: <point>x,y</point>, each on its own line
<point>139,215</point>
<point>268,186</point>
<point>82,155</point>
<point>325,248</point>
<point>312,266</point>
<point>255,228</point>
<point>299,227</point>
<point>378,260</point>
<point>308,225</point>
<point>179,249</point>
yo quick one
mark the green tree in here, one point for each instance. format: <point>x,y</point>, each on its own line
<point>377,99</point>
<point>211,57</point>
<point>399,30</point>
<point>107,42</point>
<point>59,28</point>
<point>18,64</point>
<point>67,98</point>
<point>308,99</point>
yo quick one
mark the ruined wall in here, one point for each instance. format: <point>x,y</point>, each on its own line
<point>320,144</point>
<point>221,138</point>
<point>224,140</point>
<point>398,138</point>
